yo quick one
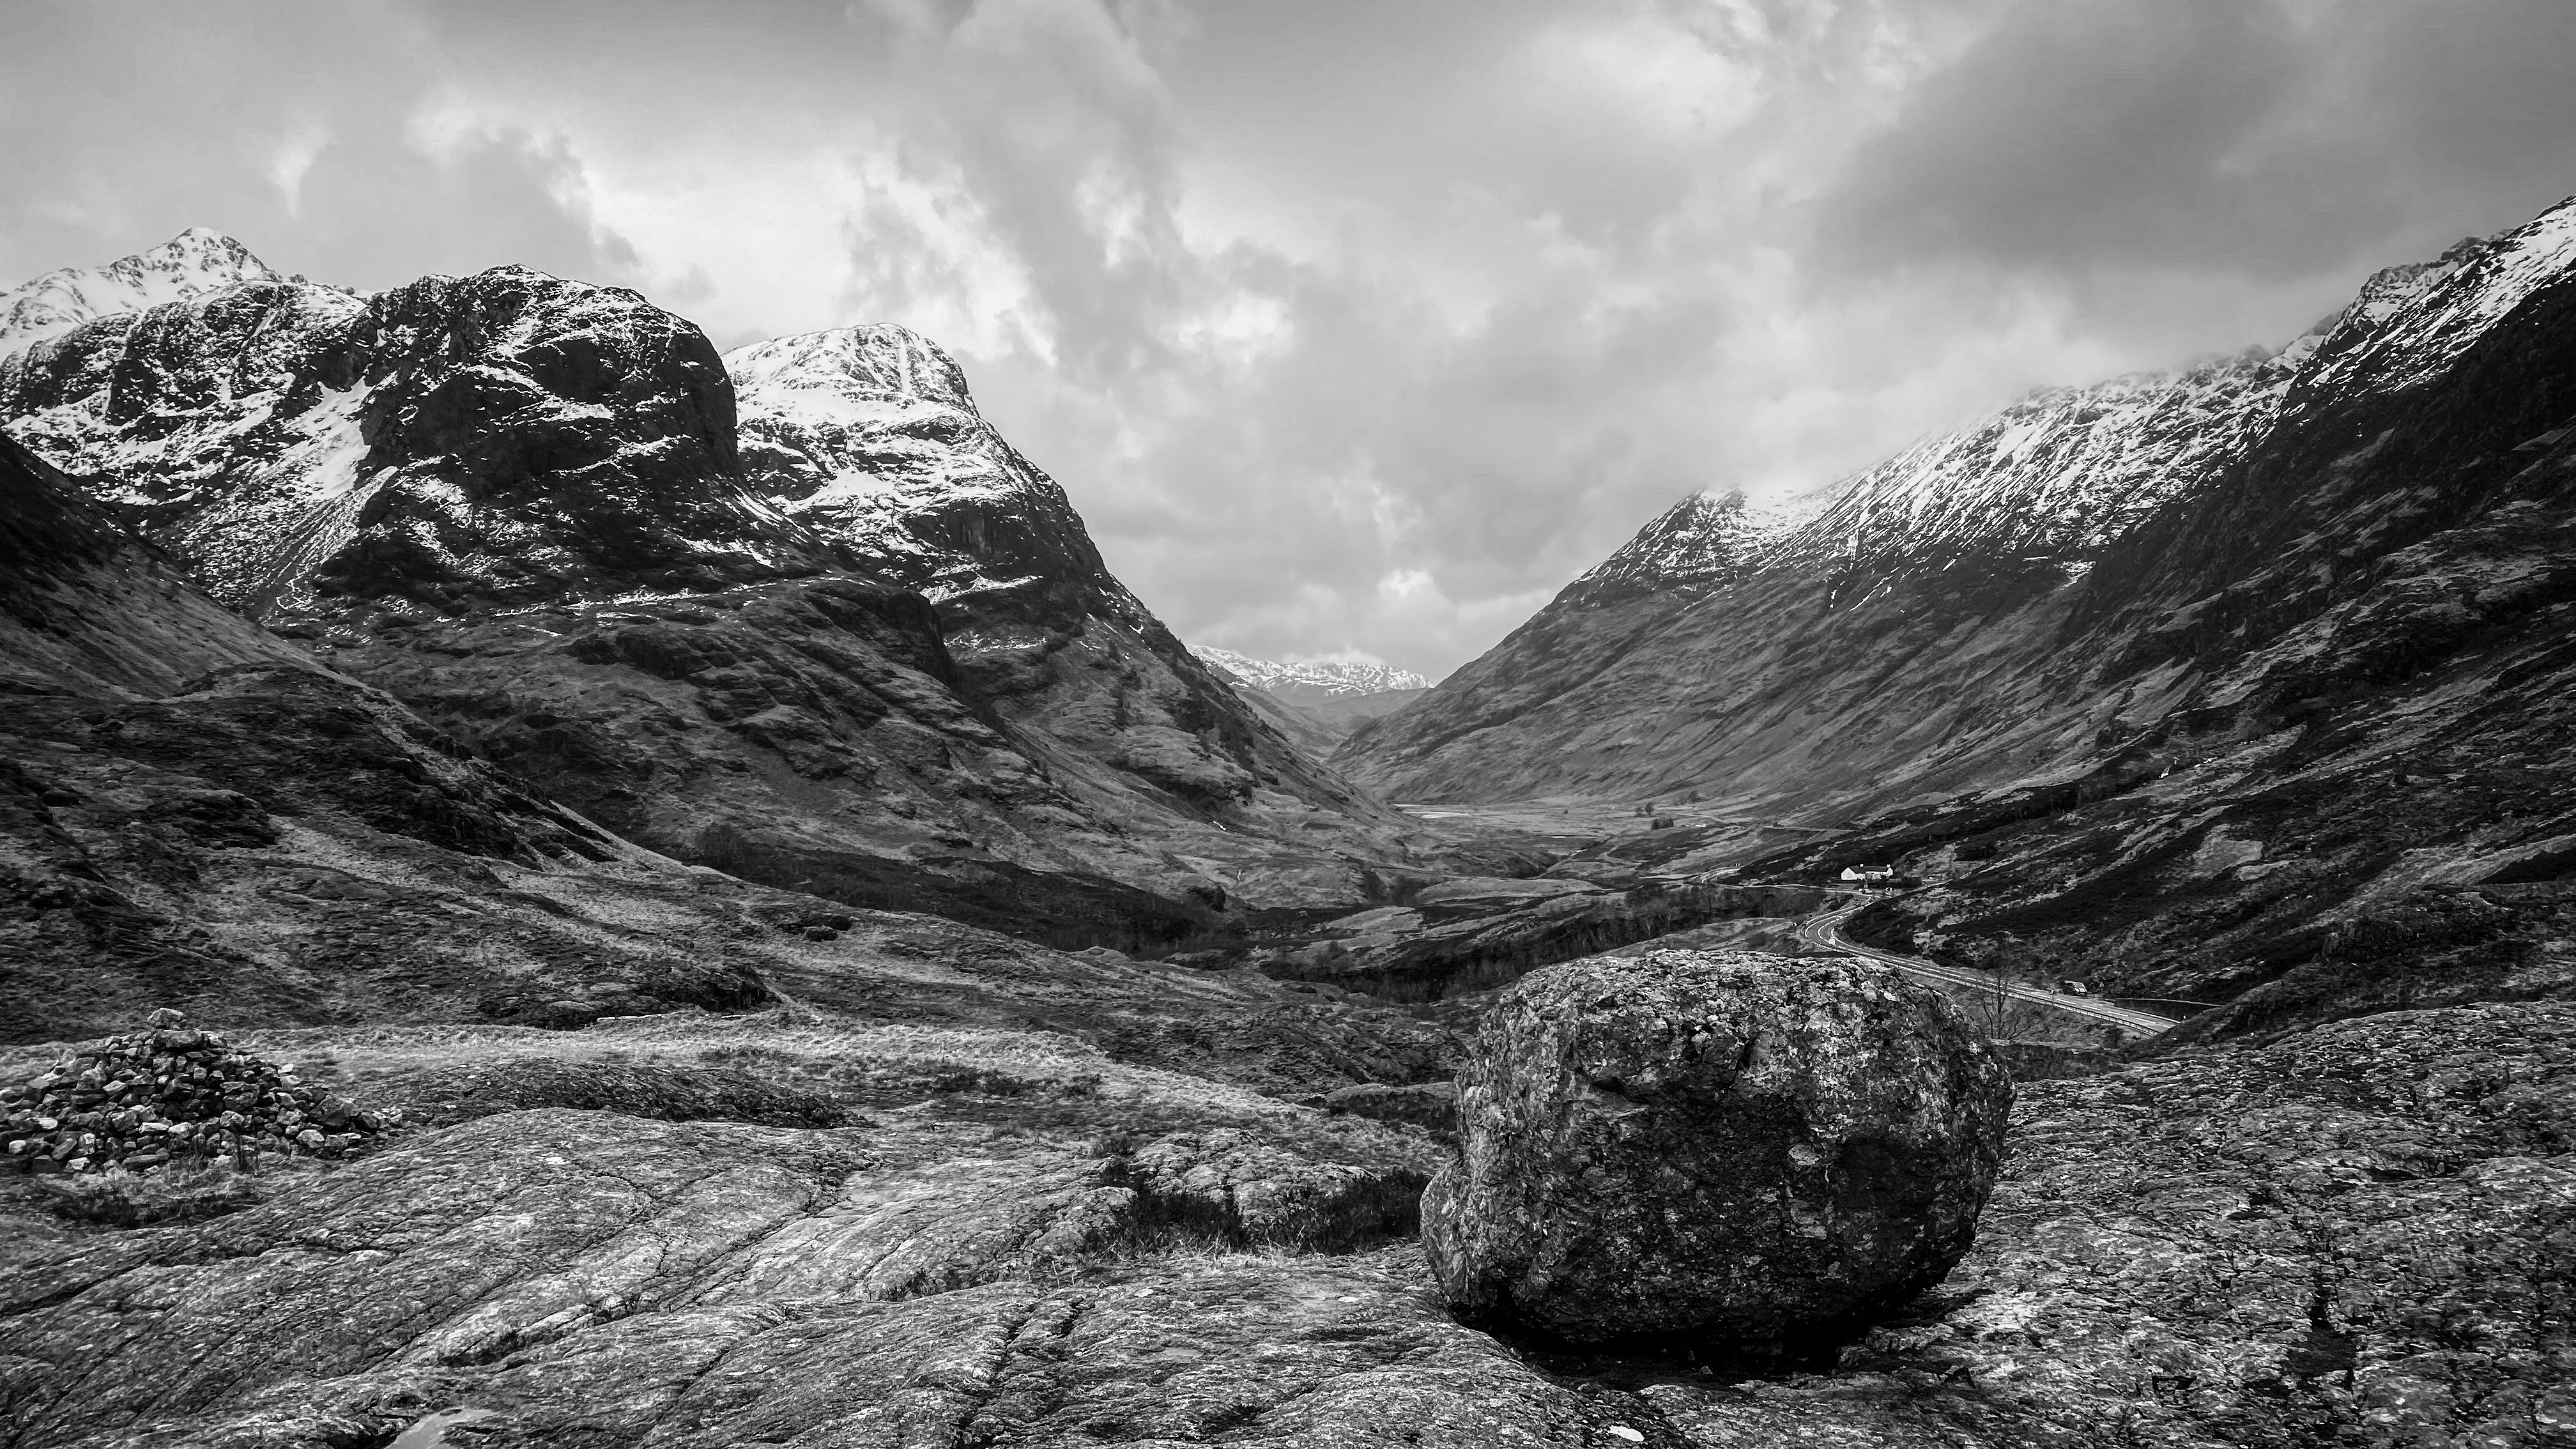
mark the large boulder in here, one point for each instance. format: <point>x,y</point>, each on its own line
<point>1744,1149</point>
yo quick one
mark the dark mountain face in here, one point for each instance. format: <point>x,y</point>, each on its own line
<point>166,768</point>
<point>869,651</point>
<point>2262,681</point>
<point>457,443</point>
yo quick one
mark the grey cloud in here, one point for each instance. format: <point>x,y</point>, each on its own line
<point>215,96</point>
<point>2266,139</point>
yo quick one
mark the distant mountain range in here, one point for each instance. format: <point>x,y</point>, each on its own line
<point>1323,700</point>
<point>1324,676</point>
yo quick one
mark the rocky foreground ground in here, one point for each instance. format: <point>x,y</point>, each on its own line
<point>2365,1233</point>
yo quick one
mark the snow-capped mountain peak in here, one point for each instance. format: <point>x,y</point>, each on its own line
<point>1706,538</point>
<point>1332,676</point>
<point>861,418</point>
<point>869,436</point>
<point>194,262</point>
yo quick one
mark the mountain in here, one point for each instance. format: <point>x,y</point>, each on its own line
<point>1318,677</point>
<point>1675,663</point>
<point>1712,650</point>
<point>2211,674</point>
<point>1701,541</point>
<point>820,627</point>
<point>1317,704</point>
<point>868,436</point>
<point>194,262</point>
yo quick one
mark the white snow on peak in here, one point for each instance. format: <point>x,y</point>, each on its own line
<point>856,426</point>
<point>882,360</point>
<point>194,262</point>
<point>209,417</point>
<point>869,436</point>
<point>1336,676</point>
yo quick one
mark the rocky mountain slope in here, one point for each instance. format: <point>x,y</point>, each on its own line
<point>1735,619</point>
<point>821,627</point>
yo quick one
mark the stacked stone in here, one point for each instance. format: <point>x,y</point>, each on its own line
<point>149,1098</point>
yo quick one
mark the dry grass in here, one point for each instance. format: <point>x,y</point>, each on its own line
<point>175,1194</point>
<point>2010,1019</point>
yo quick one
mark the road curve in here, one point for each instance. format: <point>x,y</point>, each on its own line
<point>1824,931</point>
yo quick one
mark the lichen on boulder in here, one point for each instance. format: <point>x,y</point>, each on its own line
<point>1742,1149</point>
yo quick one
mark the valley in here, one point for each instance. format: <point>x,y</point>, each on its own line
<point>817,960</point>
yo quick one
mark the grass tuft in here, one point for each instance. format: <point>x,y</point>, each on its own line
<point>176,1194</point>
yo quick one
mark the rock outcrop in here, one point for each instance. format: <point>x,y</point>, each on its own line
<point>1233,1187</point>
<point>1742,1150</point>
<point>663,1092</point>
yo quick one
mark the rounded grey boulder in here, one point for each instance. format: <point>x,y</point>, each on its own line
<point>1742,1148</point>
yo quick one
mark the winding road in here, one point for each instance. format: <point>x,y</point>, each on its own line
<point>1824,931</point>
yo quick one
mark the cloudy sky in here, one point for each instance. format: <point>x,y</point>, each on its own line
<point>1352,326</point>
